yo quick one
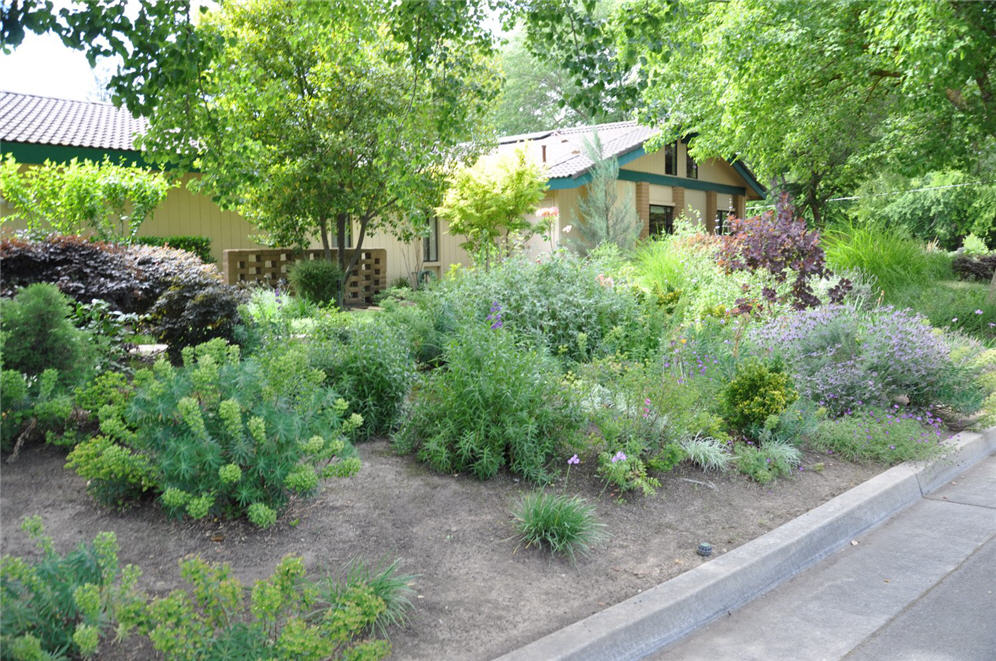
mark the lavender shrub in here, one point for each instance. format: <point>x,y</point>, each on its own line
<point>843,358</point>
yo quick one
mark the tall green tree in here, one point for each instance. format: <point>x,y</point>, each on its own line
<point>815,95</point>
<point>602,217</point>
<point>314,120</point>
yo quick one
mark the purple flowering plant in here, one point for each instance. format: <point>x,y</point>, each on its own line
<point>843,358</point>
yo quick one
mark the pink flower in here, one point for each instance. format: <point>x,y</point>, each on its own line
<point>619,457</point>
<point>574,460</point>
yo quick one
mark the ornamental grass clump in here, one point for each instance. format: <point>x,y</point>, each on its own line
<point>565,525</point>
<point>221,435</point>
<point>842,358</point>
<point>495,404</point>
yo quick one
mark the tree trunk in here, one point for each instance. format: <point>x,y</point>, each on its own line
<point>323,227</point>
<point>341,220</point>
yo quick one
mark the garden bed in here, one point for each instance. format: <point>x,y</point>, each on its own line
<point>477,595</point>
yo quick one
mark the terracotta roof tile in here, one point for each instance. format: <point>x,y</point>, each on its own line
<point>46,120</point>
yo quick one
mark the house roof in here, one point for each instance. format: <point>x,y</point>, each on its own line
<point>565,151</point>
<point>44,120</point>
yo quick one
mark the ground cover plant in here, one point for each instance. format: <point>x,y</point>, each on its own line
<point>60,606</point>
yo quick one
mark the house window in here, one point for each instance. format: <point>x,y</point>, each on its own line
<point>661,219</point>
<point>691,167</point>
<point>671,158</point>
<point>430,244</point>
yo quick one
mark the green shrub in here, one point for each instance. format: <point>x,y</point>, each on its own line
<point>109,331</point>
<point>757,392</point>
<point>315,280</point>
<point>198,245</point>
<point>37,335</point>
<point>287,617</point>
<point>494,404</point>
<point>888,436</point>
<point>220,435</point>
<point>566,305</point>
<point>32,407</point>
<point>562,524</point>
<point>60,606</point>
<point>368,363</point>
<point>627,471</point>
<point>764,464</point>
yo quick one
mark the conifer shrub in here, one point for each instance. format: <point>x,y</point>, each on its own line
<point>38,335</point>
<point>758,392</point>
<point>61,605</point>
<point>221,435</point>
<point>495,404</point>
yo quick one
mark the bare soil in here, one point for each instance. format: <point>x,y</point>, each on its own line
<point>478,594</point>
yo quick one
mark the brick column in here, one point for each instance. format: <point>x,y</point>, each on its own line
<point>678,196</point>
<point>710,212</point>
<point>643,207</point>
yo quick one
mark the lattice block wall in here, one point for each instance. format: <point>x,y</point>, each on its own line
<point>270,265</point>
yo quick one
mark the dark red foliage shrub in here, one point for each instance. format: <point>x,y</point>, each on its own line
<point>778,242</point>
<point>974,267</point>
<point>186,299</point>
<point>130,278</point>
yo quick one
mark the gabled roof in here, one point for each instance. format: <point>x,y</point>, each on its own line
<point>565,151</point>
<point>44,120</point>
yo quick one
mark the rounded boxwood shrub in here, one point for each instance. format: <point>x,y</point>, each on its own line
<point>756,392</point>
<point>315,280</point>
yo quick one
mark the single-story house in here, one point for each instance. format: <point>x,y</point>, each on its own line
<point>661,184</point>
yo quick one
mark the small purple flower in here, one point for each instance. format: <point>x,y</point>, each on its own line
<point>954,320</point>
<point>496,325</point>
<point>574,461</point>
<point>978,312</point>
<point>619,457</point>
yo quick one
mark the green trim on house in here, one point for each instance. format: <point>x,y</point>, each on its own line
<point>36,154</point>
<point>668,180</point>
<point>749,177</point>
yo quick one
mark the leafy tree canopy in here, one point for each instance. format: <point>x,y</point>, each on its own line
<point>311,119</point>
<point>817,94</point>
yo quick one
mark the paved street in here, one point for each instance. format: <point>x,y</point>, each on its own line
<point>921,587</point>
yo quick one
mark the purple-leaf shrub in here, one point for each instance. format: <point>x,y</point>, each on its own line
<point>843,359</point>
<point>778,242</point>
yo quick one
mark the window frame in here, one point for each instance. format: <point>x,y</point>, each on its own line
<point>668,225</point>
<point>430,242</point>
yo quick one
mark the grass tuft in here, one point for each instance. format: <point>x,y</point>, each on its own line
<point>388,583</point>
<point>707,453</point>
<point>564,525</point>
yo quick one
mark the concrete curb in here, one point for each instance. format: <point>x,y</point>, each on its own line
<point>659,616</point>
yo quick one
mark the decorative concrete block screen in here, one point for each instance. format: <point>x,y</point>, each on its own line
<point>269,266</point>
